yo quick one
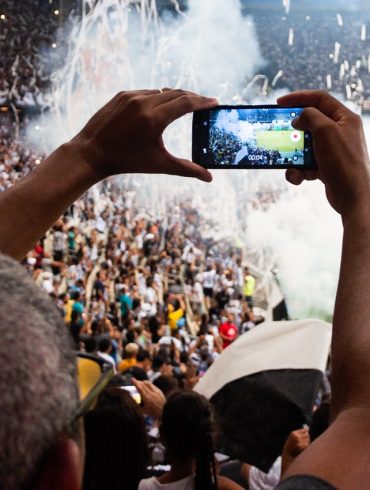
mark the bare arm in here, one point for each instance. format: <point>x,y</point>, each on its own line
<point>32,205</point>
<point>339,455</point>
<point>224,483</point>
<point>297,441</point>
<point>124,136</point>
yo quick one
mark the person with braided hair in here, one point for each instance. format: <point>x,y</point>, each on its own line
<point>187,433</point>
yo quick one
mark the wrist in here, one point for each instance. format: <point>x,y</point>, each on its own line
<point>88,157</point>
<point>358,218</point>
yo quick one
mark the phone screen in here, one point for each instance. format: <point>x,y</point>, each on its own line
<point>250,137</point>
<point>133,392</point>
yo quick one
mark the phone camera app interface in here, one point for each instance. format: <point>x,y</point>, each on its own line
<point>262,136</point>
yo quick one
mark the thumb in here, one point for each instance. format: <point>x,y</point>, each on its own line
<point>297,176</point>
<point>186,168</point>
<point>311,119</point>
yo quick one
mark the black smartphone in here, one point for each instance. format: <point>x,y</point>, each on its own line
<point>250,137</point>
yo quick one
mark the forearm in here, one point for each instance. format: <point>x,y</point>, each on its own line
<point>31,206</point>
<point>351,323</point>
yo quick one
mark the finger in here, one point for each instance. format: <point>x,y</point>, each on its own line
<point>148,387</point>
<point>323,101</point>
<point>186,168</point>
<point>179,106</point>
<point>138,385</point>
<point>171,94</point>
<point>132,93</point>
<point>311,119</point>
<point>167,94</point>
<point>297,176</point>
<point>294,176</point>
<point>311,175</point>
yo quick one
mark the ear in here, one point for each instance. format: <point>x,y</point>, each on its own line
<point>62,469</point>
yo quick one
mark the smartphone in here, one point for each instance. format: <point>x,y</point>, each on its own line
<point>133,392</point>
<point>250,137</point>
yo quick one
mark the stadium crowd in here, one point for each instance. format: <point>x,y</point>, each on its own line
<point>118,274</point>
<point>157,303</point>
<point>31,49</point>
<point>307,56</point>
<point>140,286</point>
<point>150,297</point>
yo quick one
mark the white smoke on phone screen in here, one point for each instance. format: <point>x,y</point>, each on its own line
<point>213,50</point>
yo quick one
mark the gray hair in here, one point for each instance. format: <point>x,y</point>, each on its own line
<point>38,389</point>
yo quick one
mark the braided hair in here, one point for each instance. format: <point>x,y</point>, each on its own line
<point>186,431</point>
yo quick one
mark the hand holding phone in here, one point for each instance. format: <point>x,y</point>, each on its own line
<point>251,137</point>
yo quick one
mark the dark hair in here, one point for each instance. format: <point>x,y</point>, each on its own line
<point>158,362</point>
<point>116,381</point>
<point>137,373</point>
<point>130,336</point>
<point>104,344</point>
<point>186,431</point>
<point>90,344</point>
<point>167,384</point>
<point>203,328</point>
<point>153,324</point>
<point>116,443</point>
<point>143,355</point>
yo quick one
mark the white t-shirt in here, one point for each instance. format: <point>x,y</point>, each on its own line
<point>258,480</point>
<point>209,278</point>
<point>107,358</point>
<point>153,484</point>
<point>167,340</point>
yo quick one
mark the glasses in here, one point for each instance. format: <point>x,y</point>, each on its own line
<point>93,378</point>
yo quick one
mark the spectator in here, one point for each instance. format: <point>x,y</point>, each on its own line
<point>228,331</point>
<point>105,351</point>
<point>248,288</point>
<point>131,351</point>
<point>187,432</point>
<point>116,443</point>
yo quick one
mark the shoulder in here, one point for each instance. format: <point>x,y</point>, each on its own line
<point>303,482</point>
<point>224,483</point>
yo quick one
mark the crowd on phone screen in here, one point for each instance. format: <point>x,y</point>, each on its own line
<point>225,146</point>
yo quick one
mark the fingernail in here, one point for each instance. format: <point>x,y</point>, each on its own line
<point>207,177</point>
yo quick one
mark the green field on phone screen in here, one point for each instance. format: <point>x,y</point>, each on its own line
<point>282,140</point>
